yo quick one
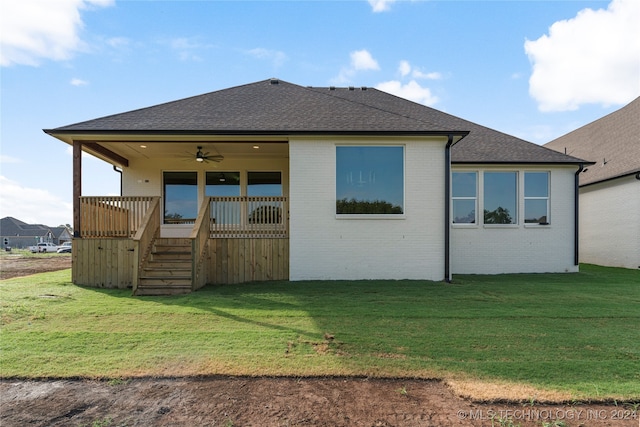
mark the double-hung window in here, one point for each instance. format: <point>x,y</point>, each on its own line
<point>500,197</point>
<point>369,180</point>
<point>536,198</point>
<point>464,197</point>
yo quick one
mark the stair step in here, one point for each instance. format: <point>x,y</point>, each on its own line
<point>166,273</point>
<point>169,264</point>
<point>164,282</point>
<point>150,290</point>
<point>168,268</point>
<point>168,256</point>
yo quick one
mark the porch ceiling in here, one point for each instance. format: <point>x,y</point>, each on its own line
<point>151,149</point>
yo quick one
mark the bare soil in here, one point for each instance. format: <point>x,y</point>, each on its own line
<point>248,401</point>
<point>17,264</point>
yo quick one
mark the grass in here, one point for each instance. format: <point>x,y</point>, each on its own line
<point>576,334</point>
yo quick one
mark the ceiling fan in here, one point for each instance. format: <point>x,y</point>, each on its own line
<point>206,157</point>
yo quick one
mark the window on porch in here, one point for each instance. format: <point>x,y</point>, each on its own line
<point>180,197</point>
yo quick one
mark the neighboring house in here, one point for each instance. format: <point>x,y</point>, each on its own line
<point>272,180</point>
<point>609,189</point>
<point>61,235</point>
<point>21,235</point>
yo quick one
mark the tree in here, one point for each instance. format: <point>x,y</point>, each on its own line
<point>498,216</point>
<point>354,206</point>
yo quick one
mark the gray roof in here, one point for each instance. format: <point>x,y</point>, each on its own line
<point>10,226</point>
<point>276,107</point>
<point>613,142</point>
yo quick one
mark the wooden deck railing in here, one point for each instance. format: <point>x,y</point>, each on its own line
<point>112,216</point>
<point>148,231</point>
<point>199,245</point>
<point>263,216</point>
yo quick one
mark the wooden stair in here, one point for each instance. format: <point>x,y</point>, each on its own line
<point>168,268</point>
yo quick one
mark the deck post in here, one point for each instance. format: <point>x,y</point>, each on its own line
<point>77,186</point>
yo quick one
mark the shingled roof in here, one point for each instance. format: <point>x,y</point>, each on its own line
<point>276,107</point>
<point>613,142</point>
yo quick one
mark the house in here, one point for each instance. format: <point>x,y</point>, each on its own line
<point>609,189</point>
<point>272,180</point>
<point>21,235</point>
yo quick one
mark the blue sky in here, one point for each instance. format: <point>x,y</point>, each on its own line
<point>533,69</point>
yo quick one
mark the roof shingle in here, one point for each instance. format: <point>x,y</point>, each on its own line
<point>613,142</point>
<point>278,107</point>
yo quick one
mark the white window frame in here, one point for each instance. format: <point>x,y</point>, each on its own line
<point>547,198</point>
<point>516,217</point>
<point>474,198</point>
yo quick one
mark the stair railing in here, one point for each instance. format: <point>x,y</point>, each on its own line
<point>148,231</point>
<point>199,244</point>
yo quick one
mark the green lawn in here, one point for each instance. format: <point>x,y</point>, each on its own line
<point>575,333</point>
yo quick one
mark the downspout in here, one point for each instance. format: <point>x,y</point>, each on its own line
<point>576,228</point>
<point>115,168</point>
<point>447,209</point>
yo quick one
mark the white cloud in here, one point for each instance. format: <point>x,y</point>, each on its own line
<point>8,159</point>
<point>187,48</point>
<point>381,5</point>
<point>591,58</point>
<point>32,205</point>
<point>78,82</point>
<point>33,30</point>
<point>360,60</point>
<point>405,69</point>
<point>411,91</point>
<point>118,42</point>
<point>434,75</point>
<point>276,57</point>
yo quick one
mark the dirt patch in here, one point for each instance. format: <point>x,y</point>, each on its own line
<point>241,401</point>
<point>234,401</point>
<point>18,265</point>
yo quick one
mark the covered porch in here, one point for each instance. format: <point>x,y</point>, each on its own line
<point>119,244</point>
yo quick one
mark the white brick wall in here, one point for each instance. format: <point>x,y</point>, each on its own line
<point>610,223</point>
<point>325,247</point>
<point>482,249</point>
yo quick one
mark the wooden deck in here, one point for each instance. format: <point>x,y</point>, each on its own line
<point>233,240</point>
<point>110,263</point>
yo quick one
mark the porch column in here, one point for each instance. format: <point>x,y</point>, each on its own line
<point>77,186</point>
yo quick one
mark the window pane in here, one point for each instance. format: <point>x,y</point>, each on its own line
<point>535,211</point>
<point>464,211</point>
<point>223,184</point>
<point>500,197</point>
<point>264,184</point>
<point>180,196</point>
<point>369,180</point>
<point>464,184</point>
<point>536,184</point>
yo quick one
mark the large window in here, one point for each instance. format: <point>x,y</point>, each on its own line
<point>264,184</point>
<point>500,197</point>
<point>222,184</point>
<point>463,191</point>
<point>536,197</point>
<point>369,180</point>
<point>180,197</point>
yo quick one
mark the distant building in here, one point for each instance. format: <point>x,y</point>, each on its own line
<point>610,189</point>
<point>21,235</point>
